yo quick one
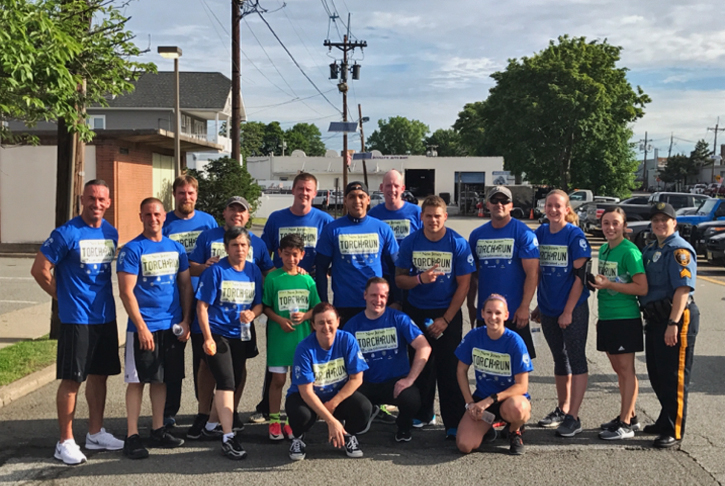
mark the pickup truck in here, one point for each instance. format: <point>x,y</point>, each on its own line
<point>693,227</point>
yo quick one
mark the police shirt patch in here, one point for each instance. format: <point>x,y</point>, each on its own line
<point>682,257</point>
<point>656,256</point>
<point>583,244</point>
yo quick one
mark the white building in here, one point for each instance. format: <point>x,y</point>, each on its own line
<point>423,175</point>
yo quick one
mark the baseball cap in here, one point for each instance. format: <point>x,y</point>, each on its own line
<point>356,186</point>
<point>500,190</point>
<point>663,208</point>
<point>237,200</point>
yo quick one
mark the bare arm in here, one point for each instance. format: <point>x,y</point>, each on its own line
<point>574,294</point>
<point>422,353</point>
<point>471,299</point>
<point>202,313</point>
<point>638,285</point>
<point>286,324</point>
<point>126,284</point>
<point>186,296</point>
<point>441,324</point>
<point>42,272</point>
<point>531,268</point>
<point>407,282</point>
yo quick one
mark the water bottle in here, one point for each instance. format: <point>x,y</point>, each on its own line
<point>536,335</point>
<point>177,330</point>
<point>293,310</point>
<point>245,331</point>
<point>429,322</point>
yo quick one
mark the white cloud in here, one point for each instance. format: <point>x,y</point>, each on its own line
<point>393,20</point>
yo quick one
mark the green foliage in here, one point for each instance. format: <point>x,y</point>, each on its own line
<point>258,139</point>
<point>678,169</point>
<point>47,50</point>
<point>306,137</point>
<point>399,136</point>
<point>702,155</point>
<point>221,179</point>
<point>26,357</point>
<point>561,116</point>
<point>448,142</point>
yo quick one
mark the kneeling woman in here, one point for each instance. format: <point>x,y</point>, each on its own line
<point>229,296</point>
<point>327,371</point>
<point>502,366</point>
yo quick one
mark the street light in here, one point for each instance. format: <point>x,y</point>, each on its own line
<point>174,52</point>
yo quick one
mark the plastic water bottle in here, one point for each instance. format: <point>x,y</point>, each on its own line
<point>429,322</point>
<point>293,310</point>
<point>536,334</point>
<point>245,331</point>
<point>177,329</point>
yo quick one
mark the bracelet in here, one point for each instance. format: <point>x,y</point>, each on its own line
<point>448,323</point>
<point>417,277</point>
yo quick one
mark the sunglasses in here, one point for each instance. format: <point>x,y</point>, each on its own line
<point>499,201</point>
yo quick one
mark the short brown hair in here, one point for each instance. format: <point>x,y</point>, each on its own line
<point>304,176</point>
<point>321,308</point>
<point>435,202</point>
<point>150,200</point>
<point>376,280</point>
<point>185,180</point>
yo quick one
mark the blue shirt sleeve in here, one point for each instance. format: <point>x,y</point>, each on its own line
<point>463,351</point>
<point>405,254</point>
<point>528,244</point>
<point>128,260</point>
<point>325,244</point>
<point>354,360</point>
<point>463,258</point>
<point>407,327</point>
<point>183,258</point>
<point>268,234</point>
<point>55,247</point>
<point>390,245</point>
<point>207,289</point>
<point>258,289</point>
<point>302,373</point>
<point>266,262</point>
<point>682,268</point>
<point>520,359</point>
<point>579,246</point>
<point>197,253</point>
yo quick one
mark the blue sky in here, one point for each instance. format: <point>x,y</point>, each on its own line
<point>426,59</point>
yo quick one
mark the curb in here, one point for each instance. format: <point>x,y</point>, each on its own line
<point>28,384</point>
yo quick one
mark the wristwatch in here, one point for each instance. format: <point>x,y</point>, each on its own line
<point>671,323</point>
<point>494,397</point>
<point>469,405</point>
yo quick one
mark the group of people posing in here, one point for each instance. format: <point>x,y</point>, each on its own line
<point>392,334</point>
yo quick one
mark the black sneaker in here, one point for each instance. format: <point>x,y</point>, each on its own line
<point>384,416</point>
<point>370,420</point>
<point>490,435</point>
<point>569,427</point>
<point>213,434</point>
<point>194,432</point>
<point>554,419</point>
<point>161,438</point>
<point>133,448</point>
<point>517,443</point>
<point>297,450</point>
<point>352,446</point>
<point>633,424</point>
<point>233,448</point>
<point>618,430</point>
<point>237,424</point>
<point>403,436</point>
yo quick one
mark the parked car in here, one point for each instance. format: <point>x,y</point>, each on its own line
<point>409,197</point>
<point>692,227</point>
<point>322,199</point>
<point>715,249</point>
<point>376,198</point>
<point>698,189</point>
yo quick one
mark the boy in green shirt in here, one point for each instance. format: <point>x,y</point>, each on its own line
<point>288,300</point>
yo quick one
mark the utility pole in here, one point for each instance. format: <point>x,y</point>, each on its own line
<point>344,46</point>
<point>362,144</point>
<point>714,147</point>
<point>644,166</point>
<point>236,121</point>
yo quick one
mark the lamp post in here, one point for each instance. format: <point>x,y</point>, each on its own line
<point>173,52</point>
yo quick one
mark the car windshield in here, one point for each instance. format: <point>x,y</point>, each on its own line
<point>706,207</point>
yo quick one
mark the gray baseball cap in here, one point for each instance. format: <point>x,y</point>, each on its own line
<point>237,200</point>
<point>500,190</point>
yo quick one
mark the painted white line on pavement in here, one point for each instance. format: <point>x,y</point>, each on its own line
<point>18,302</point>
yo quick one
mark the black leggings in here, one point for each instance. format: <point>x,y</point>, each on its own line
<point>355,410</point>
<point>568,346</point>
<point>408,402</point>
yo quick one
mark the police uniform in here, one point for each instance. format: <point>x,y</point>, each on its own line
<point>668,267</point>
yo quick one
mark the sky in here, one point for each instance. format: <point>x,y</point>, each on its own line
<point>426,59</point>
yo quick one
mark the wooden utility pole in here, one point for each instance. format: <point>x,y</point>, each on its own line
<point>236,121</point>
<point>644,165</point>
<point>714,147</point>
<point>362,144</point>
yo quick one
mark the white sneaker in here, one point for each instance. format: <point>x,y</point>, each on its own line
<point>103,441</point>
<point>69,452</point>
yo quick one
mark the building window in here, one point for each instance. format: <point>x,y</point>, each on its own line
<point>96,122</point>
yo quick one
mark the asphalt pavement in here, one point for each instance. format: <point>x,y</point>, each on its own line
<point>28,432</point>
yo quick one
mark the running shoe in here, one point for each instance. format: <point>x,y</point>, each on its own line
<point>384,416</point>
<point>569,427</point>
<point>516,442</point>
<point>69,452</point>
<point>258,418</point>
<point>103,441</point>
<point>616,431</point>
<point>370,420</point>
<point>297,450</point>
<point>161,438</point>
<point>633,423</point>
<point>213,434</point>
<point>287,431</point>
<point>352,447</point>
<point>403,436</point>
<point>233,449</point>
<point>133,448</point>
<point>194,432</point>
<point>275,431</point>
<point>554,419</point>
<point>490,436</point>
<point>419,424</point>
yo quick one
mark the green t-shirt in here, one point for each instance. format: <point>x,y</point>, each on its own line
<point>282,292</point>
<point>619,265</point>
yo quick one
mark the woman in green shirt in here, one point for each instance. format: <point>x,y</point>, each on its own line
<point>620,279</point>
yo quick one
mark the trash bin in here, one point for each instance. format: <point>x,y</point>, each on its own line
<point>446,196</point>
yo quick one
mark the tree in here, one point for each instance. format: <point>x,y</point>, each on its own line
<point>49,48</point>
<point>221,179</point>
<point>251,138</point>
<point>562,116</point>
<point>678,168</point>
<point>305,137</point>
<point>701,156</point>
<point>399,136</point>
<point>448,143</point>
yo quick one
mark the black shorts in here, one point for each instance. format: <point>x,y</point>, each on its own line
<point>250,347</point>
<point>227,365</point>
<point>620,336</point>
<point>495,408</point>
<point>87,349</point>
<point>165,364</point>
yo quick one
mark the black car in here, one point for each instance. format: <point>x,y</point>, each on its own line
<point>409,197</point>
<point>716,249</point>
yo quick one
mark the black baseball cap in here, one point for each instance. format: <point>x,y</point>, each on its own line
<point>663,208</point>
<point>356,186</point>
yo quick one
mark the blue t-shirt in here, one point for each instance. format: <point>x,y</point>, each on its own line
<point>186,231</point>
<point>672,265</point>
<point>384,343</point>
<point>495,362</point>
<point>453,256</point>
<point>357,249</point>
<point>156,264</point>
<point>211,244</point>
<point>403,221</point>
<point>82,256</point>
<point>327,369</point>
<point>557,252</point>
<point>229,292</point>
<point>283,222</point>
<point>499,253</point>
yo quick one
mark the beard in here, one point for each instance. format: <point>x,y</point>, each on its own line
<point>186,208</point>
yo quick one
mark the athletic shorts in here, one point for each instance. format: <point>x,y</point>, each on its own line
<point>620,336</point>
<point>87,349</point>
<point>283,370</point>
<point>165,364</point>
<point>227,365</point>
